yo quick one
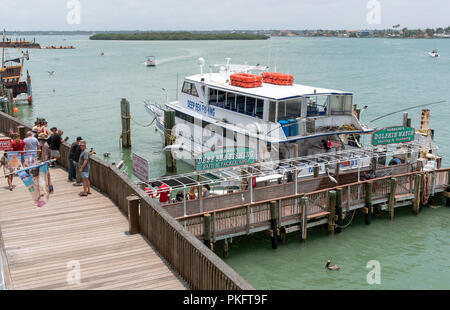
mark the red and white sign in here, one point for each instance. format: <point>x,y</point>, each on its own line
<point>5,145</point>
<point>140,168</point>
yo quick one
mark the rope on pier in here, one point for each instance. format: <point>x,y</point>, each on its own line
<point>346,225</point>
<point>147,125</point>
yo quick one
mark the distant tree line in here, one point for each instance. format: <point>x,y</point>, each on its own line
<point>182,35</point>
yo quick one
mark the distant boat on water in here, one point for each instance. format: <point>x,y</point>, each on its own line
<point>150,62</point>
<point>434,53</point>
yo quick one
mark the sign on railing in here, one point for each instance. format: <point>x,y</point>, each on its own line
<point>5,145</point>
<point>225,157</point>
<point>140,168</point>
<point>396,134</point>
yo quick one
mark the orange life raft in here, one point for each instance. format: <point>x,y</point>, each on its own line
<point>277,78</point>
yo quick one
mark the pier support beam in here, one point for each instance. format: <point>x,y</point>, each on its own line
<point>416,202</point>
<point>368,201</point>
<point>339,194</point>
<point>273,223</point>
<point>332,209</point>
<point>304,220</point>
<point>133,214</point>
<point>316,170</point>
<point>392,198</point>
<point>126,128</point>
<point>207,230</point>
<point>169,123</point>
<point>225,248</point>
<point>447,190</point>
<point>21,131</point>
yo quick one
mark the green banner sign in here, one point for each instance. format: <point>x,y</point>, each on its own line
<point>396,134</point>
<point>225,157</point>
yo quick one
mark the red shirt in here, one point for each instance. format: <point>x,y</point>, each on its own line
<point>18,146</point>
<point>149,191</point>
<point>163,192</point>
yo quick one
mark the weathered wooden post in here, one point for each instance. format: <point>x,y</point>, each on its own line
<point>339,194</point>
<point>207,230</point>
<point>133,214</point>
<point>405,119</point>
<point>368,201</point>
<point>336,171</point>
<point>316,170</point>
<point>416,201</point>
<point>422,189</point>
<point>447,191</point>
<point>126,129</point>
<point>21,130</point>
<point>169,123</point>
<point>273,223</point>
<point>225,248</point>
<point>332,209</point>
<point>304,221</point>
<point>392,201</point>
<point>408,122</point>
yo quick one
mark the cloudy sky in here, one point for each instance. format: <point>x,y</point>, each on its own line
<point>223,14</point>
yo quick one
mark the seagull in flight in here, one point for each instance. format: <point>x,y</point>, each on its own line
<point>50,72</point>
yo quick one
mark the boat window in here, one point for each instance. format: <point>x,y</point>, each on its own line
<point>272,111</point>
<point>194,90</point>
<point>212,96</point>
<point>185,117</point>
<point>240,103</point>
<point>221,99</point>
<point>317,105</point>
<point>289,109</point>
<point>230,101</point>
<point>187,88</point>
<point>250,106</point>
<point>259,108</point>
<point>341,104</point>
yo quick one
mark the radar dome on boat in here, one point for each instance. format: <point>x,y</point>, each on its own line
<point>201,61</point>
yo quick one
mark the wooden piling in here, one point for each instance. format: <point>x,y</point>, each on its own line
<point>339,194</point>
<point>368,201</point>
<point>21,130</point>
<point>133,214</point>
<point>408,122</point>
<point>316,170</point>
<point>304,220</point>
<point>405,119</point>
<point>394,183</point>
<point>273,223</point>
<point>169,123</point>
<point>416,201</point>
<point>207,229</point>
<point>225,248</point>
<point>447,191</point>
<point>126,127</point>
<point>332,210</point>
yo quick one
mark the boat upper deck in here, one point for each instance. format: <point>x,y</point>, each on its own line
<point>266,91</point>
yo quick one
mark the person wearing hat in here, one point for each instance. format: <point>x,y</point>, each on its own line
<point>73,174</point>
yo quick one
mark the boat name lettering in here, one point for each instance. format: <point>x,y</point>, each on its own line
<point>201,108</point>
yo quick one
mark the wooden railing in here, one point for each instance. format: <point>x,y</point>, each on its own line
<point>195,263</point>
<point>243,218</point>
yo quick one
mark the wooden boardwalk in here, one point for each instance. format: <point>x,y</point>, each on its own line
<point>40,247</point>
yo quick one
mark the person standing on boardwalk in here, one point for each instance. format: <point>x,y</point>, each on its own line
<point>55,142</point>
<point>83,163</point>
<point>9,173</point>
<point>31,143</point>
<point>72,170</point>
<point>76,157</point>
<point>42,137</point>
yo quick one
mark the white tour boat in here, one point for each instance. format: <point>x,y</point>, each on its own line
<point>245,106</point>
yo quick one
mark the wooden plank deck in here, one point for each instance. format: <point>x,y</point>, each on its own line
<point>38,244</point>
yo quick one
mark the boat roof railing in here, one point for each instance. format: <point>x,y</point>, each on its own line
<point>266,169</point>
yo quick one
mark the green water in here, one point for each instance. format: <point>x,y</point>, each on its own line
<point>83,96</point>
